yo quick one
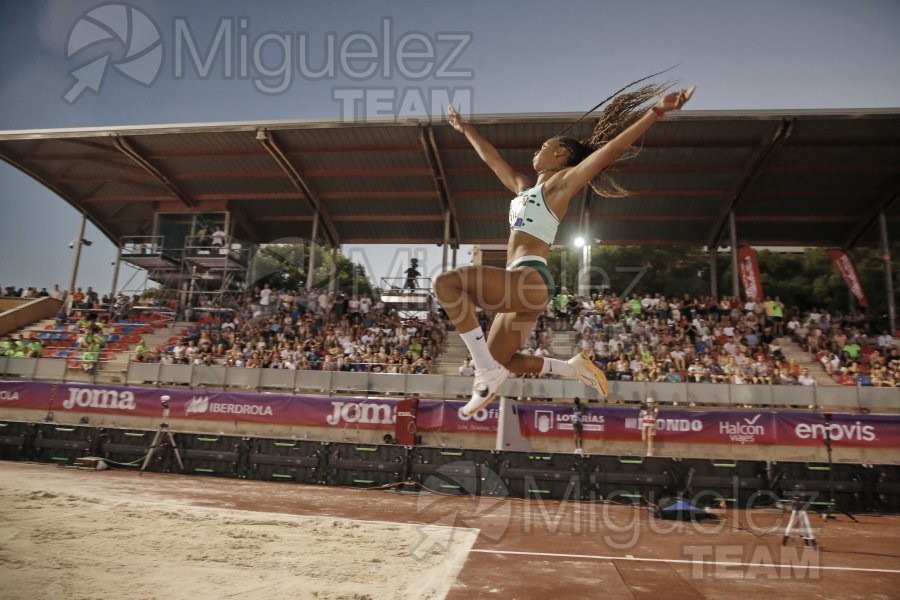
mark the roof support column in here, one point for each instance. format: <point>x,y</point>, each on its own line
<point>312,251</point>
<point>333,276</point>
<point>446,240</point>
<point>713,275</point>
<point>888,276</point>
<point>735,276</point>
<point>79,241</point>
<point>115,279</point>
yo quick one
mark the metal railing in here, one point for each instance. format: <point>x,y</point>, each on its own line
<point>142,245</point>
<point>454,386</point>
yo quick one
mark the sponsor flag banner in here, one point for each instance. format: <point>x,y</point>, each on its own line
<point>748,266</point>
<point>847,269</point>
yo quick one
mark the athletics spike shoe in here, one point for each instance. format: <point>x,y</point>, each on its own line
<point>487,383</point>
<point>589,373</point>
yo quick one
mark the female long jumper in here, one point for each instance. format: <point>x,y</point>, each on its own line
<point>519,293</point>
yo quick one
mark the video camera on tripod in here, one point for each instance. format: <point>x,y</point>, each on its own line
<point>163,437</point>
<point>801,499</point>
<point>799,520</point>
<point>164,401</point>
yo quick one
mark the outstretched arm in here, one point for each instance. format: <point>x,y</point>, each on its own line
<point>514,181</point>
<point>567,183</point>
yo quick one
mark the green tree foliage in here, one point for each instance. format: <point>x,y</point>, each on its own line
<point>351,277</point>
<point>284,266</point>
<point>806,279</point>
<point>635,269</point>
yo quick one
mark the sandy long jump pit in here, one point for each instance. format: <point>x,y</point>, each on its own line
<point>72,534</point>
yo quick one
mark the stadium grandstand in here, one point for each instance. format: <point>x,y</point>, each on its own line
<point>194,204</point>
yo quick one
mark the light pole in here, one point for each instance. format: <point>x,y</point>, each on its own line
<point>583,286</point>
<point>77,243</point>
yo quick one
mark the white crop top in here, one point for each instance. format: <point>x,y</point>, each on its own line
<point>529,212</point>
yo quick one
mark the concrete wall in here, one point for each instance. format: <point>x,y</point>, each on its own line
<point>27,313</point>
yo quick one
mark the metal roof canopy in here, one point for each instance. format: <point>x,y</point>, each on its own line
<point>792,178</point>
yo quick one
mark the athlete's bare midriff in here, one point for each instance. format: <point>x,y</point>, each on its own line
<point>524,244</point>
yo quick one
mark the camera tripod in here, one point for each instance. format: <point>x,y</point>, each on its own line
<point>799,517</point>
<point>158,439</point>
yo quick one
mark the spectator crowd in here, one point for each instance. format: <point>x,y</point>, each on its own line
<point>319,330</point>
<point>649,338</point>
<point>706,340</point>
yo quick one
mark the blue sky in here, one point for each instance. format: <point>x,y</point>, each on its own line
<point>520,56</point>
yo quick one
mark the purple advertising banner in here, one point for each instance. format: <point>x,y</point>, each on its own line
<point>737,427</point>
<point>841,429</point>
<point>621,424</point>
<point>483,421</point>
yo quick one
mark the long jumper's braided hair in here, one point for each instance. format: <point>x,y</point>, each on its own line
<point>624,108</point>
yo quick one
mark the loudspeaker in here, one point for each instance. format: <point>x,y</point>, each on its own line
<point>287,460</point>
<point>629,479</point>
<point>366,465</point>
<point>847,482</point>
<point>542,475</point>
<point>125,448</point>
<point>205,454</point>
<point>16,438</point>
<point>456,471</point>
<point>726,482</point>
<point>886,487</point>
<point>64,443</point>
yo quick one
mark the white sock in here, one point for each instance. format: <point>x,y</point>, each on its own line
<point>478,348</point>
<point>560,368</point>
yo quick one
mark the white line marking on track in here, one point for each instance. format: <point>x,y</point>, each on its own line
<point>680,561</point>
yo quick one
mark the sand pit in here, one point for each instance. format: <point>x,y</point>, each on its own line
<point>71,534</point>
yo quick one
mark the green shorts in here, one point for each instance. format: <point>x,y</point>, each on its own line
<point>543,271</point>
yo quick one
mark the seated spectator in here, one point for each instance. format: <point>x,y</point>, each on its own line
<point>782,377</point>
<point>845,377</point>
<point>89,359</point>
<point>466,369</point>
<point>422,366</point>
<point>885,342</point>
<point>831,362</point>
<point>851,349</point>
<point>775,350</point>
<point>672,376</point>
<point>35,348</point>
<point>641,373</point>
<point>678,358</point>
<point>805,378</point>
<point>697,373</point>
<point>622,369</point>
<point>761,371</point>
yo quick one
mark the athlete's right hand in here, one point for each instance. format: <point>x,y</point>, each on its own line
<point>455,119</point>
